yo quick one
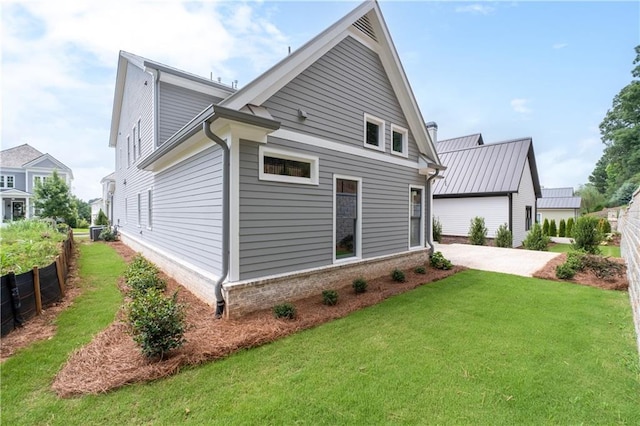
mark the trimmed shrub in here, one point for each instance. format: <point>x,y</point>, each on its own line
<point>477,231</point>
<point>102,219</point>
<point>586,236</point>
<point>570,223</point>
<point>604,227</point>
<point>438,261</point>
<point>398,276</point>
<point>285,311</point>
<point>575,260</point>
<point>142,275</point>
<point>359,285</point>
<point>504,237</point>
<point>437,230</point>
<point>545,227</point>
<point>535,239</point>
<point>553,229</point>
<point>329,297</point>
<point>157,322</point>
<point>420,270</point>
<point>562,228</point>
<point>108,234</point>
<point>565,271</point>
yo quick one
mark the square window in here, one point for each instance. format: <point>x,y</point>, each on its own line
<point>373,132</point>
<point>399,141</point>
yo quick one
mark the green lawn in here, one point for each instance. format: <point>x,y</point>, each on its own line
<point>612,251</point>
<point>475,348</point>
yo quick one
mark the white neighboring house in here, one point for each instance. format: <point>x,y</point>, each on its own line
<point>557,204</point>
<point>497,181</point>
<point>108,188</point>
<point>21,168</point>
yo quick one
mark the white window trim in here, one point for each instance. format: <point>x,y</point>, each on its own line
<point>149,208</point>
<point>139,209</point>
<point>135,144</point>
<point>5,183</point>
<point>405,141</point>
<point>288,155</point>
<point>358,241</point>
<point>381,135</point>
<point>42,179</point>
<point>139,137</point>
<point>422,217</point>
<point>128,151</point>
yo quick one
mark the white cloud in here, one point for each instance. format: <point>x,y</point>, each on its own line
<point>59,60</point>
<point>559,45</point>
<point>519,105</point>
<point>477,9</point>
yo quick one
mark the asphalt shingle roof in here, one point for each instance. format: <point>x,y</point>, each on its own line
<point>17,156</point>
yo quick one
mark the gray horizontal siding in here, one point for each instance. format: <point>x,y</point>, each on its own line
<point>288,227</point>
<point>177,106</point>
<point>336,91</point>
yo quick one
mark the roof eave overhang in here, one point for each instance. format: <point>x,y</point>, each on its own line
<point>475,195</point>
<point>190,138</point>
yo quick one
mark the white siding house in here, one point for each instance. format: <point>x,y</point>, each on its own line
<point>497,181</point>
<point>322,165</point>
<point>558,204</point>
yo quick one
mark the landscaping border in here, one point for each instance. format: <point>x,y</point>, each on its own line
<point>25,295</point>
<point>629,226</point>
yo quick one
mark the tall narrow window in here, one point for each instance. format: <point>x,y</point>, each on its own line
<point>139,208</point>
<point>415,218</point>
<point>128,151</point>
<point>10,181</point>
<point>139,139</point>
<point>347,218</point>
<point>149,208</point>
<point>527,218</point>
<point>2,181</point>
<point>135,144</point>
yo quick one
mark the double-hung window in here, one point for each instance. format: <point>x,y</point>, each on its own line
<point>149,208</point>
<point>139,209</point>
<point>527,218</point>
<point>347,205</point>
<point>373,132</point>
<point>135,144</point>
<point>7,181</point>
<point>128,151</point>
<point>139,139</point>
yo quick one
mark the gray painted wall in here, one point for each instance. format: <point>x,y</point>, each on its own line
<point>336,91</point>
<point>177,106</point>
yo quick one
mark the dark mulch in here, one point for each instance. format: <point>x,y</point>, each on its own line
<point>585,277</point>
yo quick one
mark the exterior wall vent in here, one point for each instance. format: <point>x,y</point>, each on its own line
<point>364,25</point>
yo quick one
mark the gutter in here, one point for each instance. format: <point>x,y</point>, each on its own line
<point>430,224</point>
<point>225,215</point>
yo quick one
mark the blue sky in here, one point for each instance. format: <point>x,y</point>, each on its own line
<point>548,70</point>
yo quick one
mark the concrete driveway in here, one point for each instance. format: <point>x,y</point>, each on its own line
<point>496,259</point>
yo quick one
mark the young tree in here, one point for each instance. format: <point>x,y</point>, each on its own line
<point>102,219</point>
<point>477,231</point>
<point>553,229</point>
<point>562,228</point>
<point>53,198</point>
<point>545,227</point>
<point>570,223</point>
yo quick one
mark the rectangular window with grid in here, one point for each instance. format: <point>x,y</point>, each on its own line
<point>286,166</point>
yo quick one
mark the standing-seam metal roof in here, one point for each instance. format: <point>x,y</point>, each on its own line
<point>557,192</point>
<point>495,168</point>
<point>462,142</point>
<point>559,202</point>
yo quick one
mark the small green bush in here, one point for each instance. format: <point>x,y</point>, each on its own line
<point>535,239</point>
<point>82,223</point>
<point>575,260</point>
<point>504,237</point>
<point>570,223</point>
<point>437,230</point>
<point>157,322</point>
<point>604,227</point>
<point>438,261</point>
<point>545,227</point>
<point>108,234</point>
<point>562,228</point>
<point>586,236</point>
<point>284,310</point>
<point>477,231</point>
<point>398,276</point>
<point>565,271</point>
<point>420,270</point>
<point>329,297</point>
<point>359,285</point>
<point>553,228</point>
<point>144,280</point>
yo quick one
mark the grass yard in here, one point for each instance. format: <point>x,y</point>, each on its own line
<point>475,348</point>
<point>612,251</point>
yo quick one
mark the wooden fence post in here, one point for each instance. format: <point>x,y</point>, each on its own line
<point>36,290</point>
<point>60,274</point>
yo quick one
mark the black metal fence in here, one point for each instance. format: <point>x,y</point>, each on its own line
<point>25,295</point>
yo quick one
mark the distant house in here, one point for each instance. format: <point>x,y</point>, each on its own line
<point>21,168</point>
<point>558,204</point>
<point>108,184</point>
<point>314,173</point>
<point>498,182</point>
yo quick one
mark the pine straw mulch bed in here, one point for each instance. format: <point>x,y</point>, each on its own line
<point>112,359</point>
<point>586,277</point>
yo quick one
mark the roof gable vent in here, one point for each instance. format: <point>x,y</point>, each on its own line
<point>364,25</point>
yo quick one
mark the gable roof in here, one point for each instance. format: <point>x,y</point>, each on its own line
<point>366,24</point>
<point>557,192</point>
<point>462,142</point>
<point>17,156</point>
<point>492,169</point>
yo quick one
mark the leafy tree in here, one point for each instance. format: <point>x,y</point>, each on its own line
<point>562,228</point>
<point>54,200</point>
<point>598,177</point>
<point>620,130</point>
<point>623,194</point>
<point>83,207</point>
<point>102,219</point>
<point>592,199</point>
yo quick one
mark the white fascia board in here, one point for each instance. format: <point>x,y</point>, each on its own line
<point>266,85</point>
<point>118,95</point>
<point>189,84</point>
